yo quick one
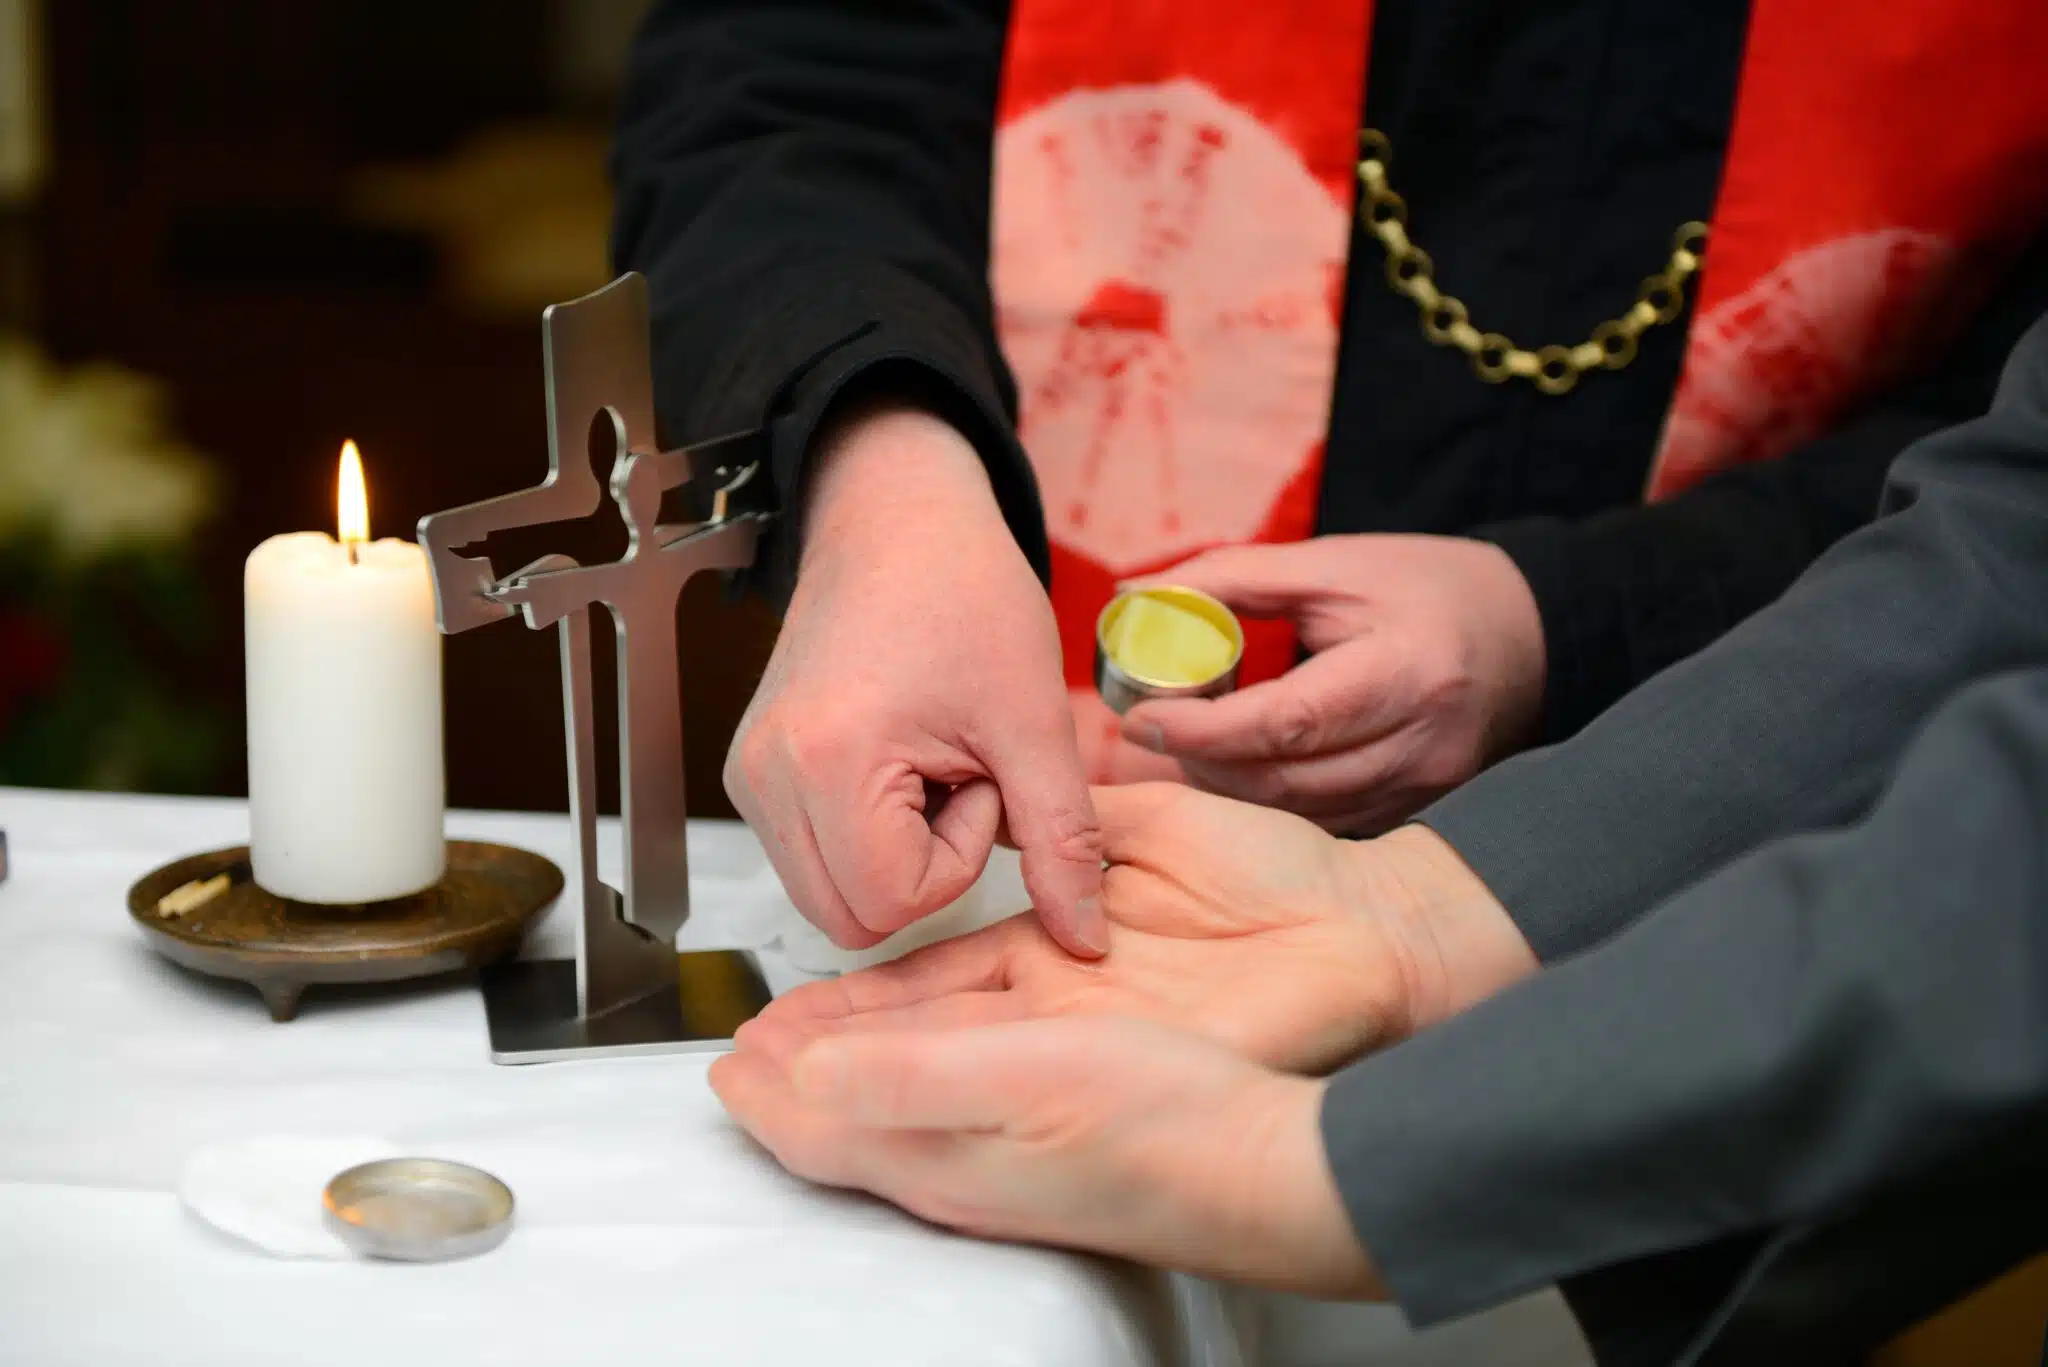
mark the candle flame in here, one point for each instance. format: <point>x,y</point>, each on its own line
<point>352,499</point>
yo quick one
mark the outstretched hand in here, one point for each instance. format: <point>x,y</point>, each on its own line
<point>1244,925</point>
<point>1112,1136</point>
<point>1145,1104</point>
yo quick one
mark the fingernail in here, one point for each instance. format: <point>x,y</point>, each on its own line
<point>1091,927</point>
<point>1146,734</point>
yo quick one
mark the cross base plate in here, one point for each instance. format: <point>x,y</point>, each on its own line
<point>531,1008</point>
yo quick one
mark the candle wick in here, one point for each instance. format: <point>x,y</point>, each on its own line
<point>351,552</point>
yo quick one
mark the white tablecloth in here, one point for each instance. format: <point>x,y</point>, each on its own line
<point>649,1229</point>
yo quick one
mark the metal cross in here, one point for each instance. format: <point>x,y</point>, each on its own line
<point>627,990</point>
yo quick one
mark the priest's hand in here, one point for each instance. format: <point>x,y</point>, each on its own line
<point>1116,1137</point>
<point>1427,664</point>
<point>1248,926</point>
<point>914,701</point>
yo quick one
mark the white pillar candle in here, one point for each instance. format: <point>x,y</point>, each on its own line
<point>346,785</point>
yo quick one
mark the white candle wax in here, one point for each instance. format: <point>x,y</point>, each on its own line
<point>346,785</point>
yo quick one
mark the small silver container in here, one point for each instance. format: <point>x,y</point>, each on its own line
<point>1124,688</point>
<point>418,1210</point>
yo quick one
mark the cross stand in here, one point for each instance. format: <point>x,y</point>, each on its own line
<point>627,991</point>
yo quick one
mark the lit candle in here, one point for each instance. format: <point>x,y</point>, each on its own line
<point>346,789</point>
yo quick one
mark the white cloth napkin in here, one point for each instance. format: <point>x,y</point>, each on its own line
<point>265,1189</point>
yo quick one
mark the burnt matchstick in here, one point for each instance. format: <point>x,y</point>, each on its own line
<point>189,897</point>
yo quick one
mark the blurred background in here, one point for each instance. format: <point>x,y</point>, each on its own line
<point>232,234</point>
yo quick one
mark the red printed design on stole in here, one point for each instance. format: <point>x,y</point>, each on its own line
<point>1886,161</point>
<point>1173,184</point>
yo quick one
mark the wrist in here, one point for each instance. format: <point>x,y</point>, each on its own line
<point>1298,1234</point>
<point>880,464</point>
<point>1520,663</point>
<point>1457,945</point>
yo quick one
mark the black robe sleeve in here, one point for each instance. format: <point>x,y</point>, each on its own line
<point>806,187</point>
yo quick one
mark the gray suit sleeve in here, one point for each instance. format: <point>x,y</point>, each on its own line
<point>1831,1019</point>
<point>1793,720</point>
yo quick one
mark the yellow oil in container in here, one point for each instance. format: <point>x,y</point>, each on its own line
<point>1162,642</point>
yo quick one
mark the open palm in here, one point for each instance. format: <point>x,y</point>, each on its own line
<point>1109,1135</point>
<point>1245,925</point>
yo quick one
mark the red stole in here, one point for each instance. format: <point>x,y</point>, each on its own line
<point>1173,190</point>
<point>1886,161</point>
